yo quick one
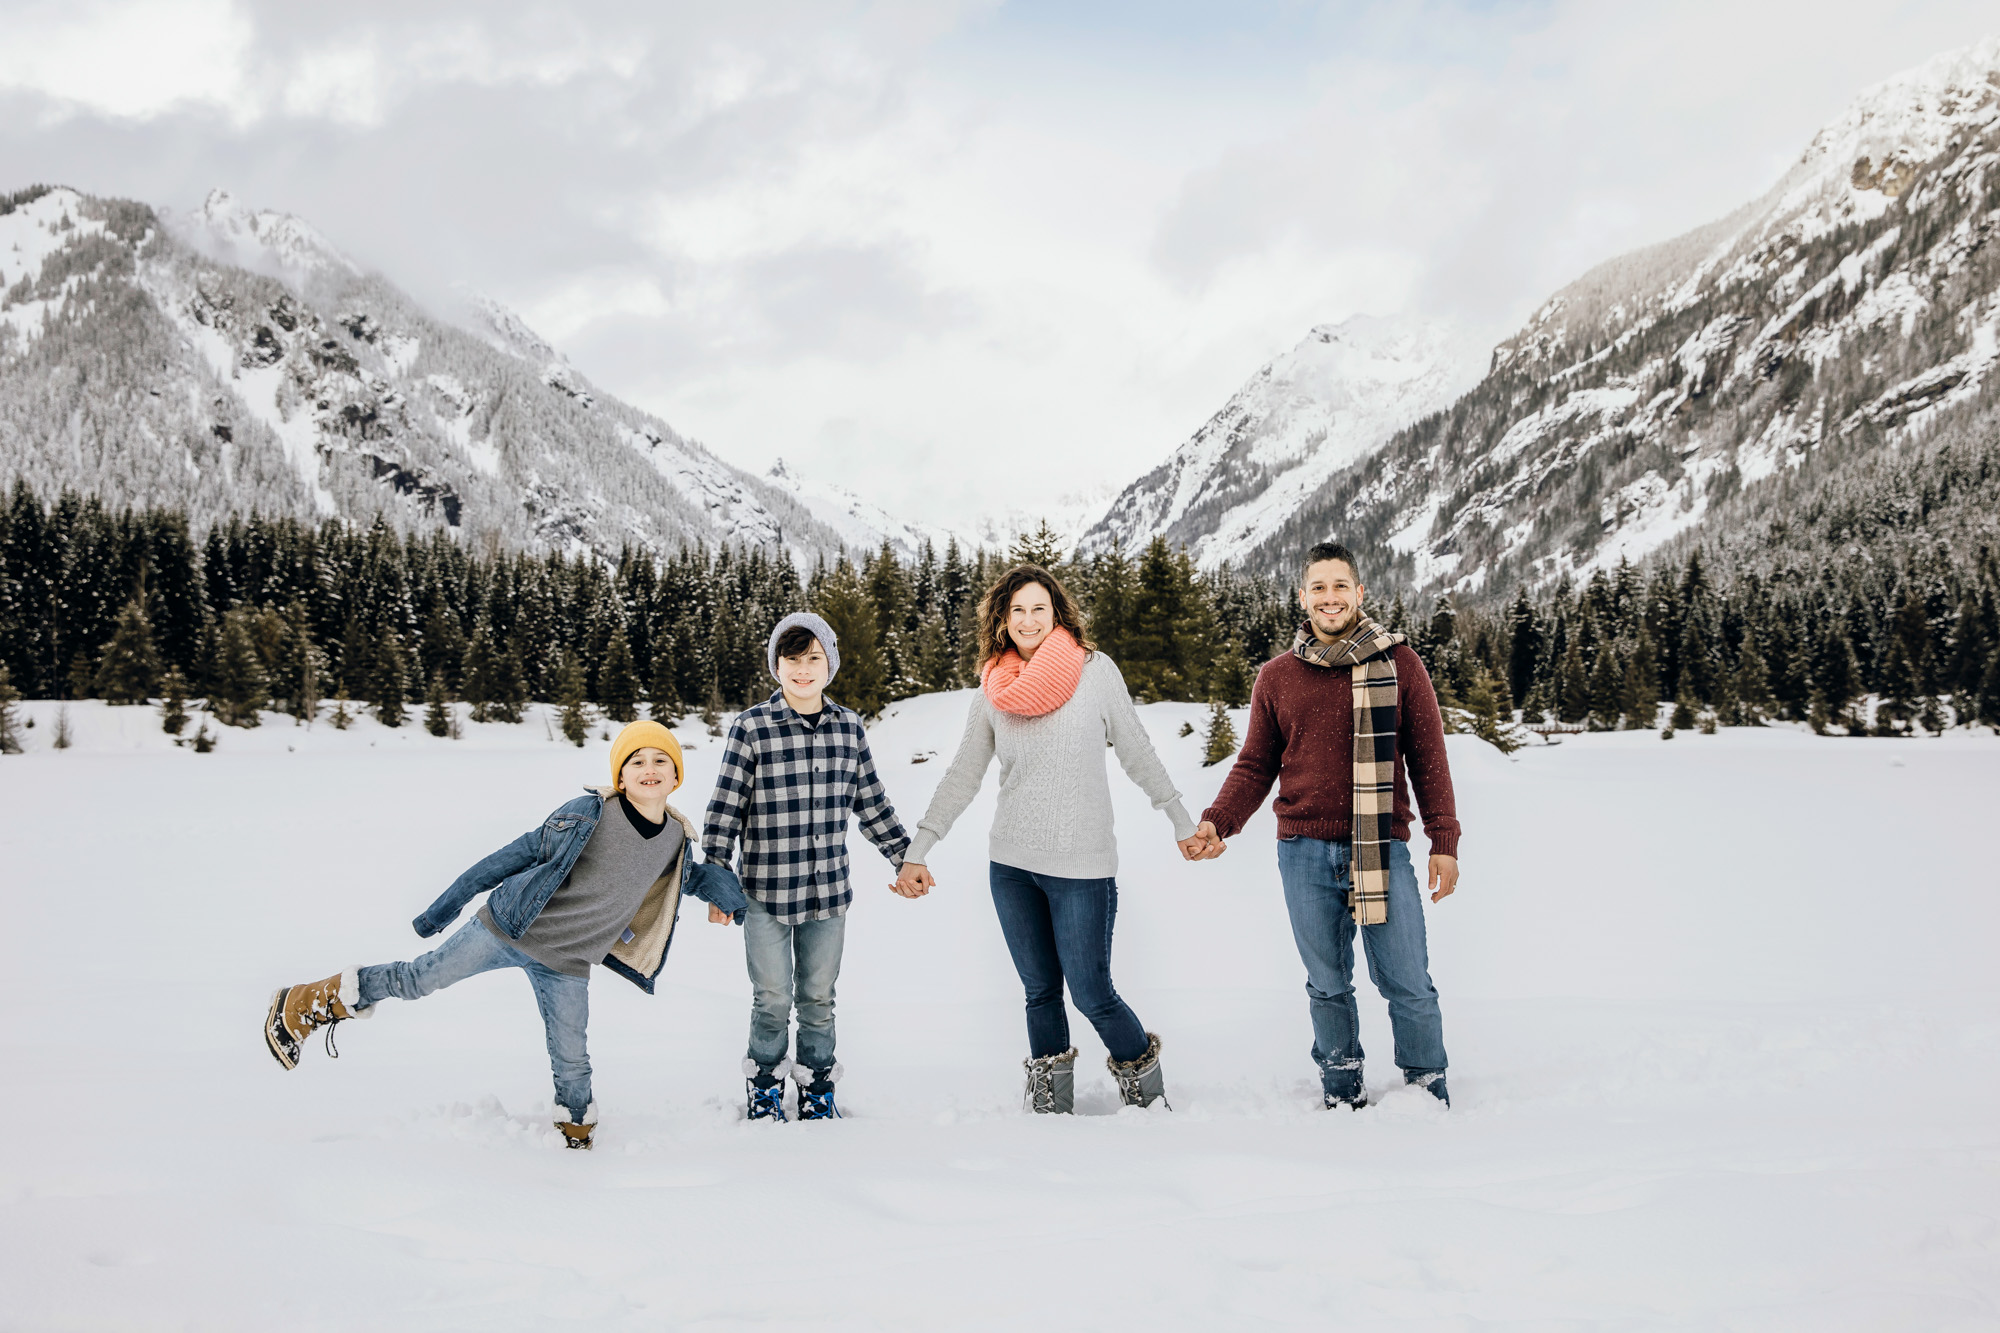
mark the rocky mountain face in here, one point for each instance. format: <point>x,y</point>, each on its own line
<point>1706,384</point>
<point>1332,400</point>
<point>234,360</point>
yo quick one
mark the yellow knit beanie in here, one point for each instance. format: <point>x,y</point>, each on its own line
<point>637,736</point>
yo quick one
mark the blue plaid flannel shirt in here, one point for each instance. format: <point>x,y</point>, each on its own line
<point>784,790</point>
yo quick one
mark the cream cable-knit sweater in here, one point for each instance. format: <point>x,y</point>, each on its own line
<point>1054,816</point>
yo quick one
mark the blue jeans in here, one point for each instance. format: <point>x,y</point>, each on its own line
<point>1060,929</point>
<point>472,949</point>
<point>1315,873</point>
<point>791,967</point>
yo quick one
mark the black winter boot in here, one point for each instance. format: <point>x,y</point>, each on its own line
<point>816,1091</point>
<point>765,1089</point>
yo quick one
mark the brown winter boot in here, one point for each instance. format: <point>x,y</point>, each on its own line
<point>578,1136</point>
<point>297,1010</point>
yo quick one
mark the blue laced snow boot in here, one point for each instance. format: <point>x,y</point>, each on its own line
<point>1431,1083</point>
<point>816,1091</point>
<point>765,1090</point>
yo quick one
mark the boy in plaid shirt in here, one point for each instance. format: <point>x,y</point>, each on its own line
<point>792,768</point>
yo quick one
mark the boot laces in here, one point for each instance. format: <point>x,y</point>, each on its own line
<point>1041,1086</point>
<point>321,1015</point>
<point>767,1102</point>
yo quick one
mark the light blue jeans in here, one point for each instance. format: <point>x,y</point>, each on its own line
<point>1316,877</point>
<point>791,967</point>
<point>564,1000</point>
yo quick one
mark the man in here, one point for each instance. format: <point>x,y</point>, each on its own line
<point>792,769</point>
<point>1344,819</point>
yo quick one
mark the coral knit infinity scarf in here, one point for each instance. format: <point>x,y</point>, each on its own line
<point>1040,685</point>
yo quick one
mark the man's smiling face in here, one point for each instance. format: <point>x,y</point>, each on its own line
<point>1331,598</point>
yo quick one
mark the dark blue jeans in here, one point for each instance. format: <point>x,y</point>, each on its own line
<point>1316,878</point>
<point>1060,929</point>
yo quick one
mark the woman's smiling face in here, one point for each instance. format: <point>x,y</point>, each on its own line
<point>1030,617</point>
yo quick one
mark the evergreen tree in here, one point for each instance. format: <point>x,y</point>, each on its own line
<point>1040,547</point>
<point>437,708</point>
<point>1988,707</point>
<point>1218,741</point>
<point>1751,690</point>
<point>1157,641</point>
<point>570,698</point>
<point>389,694</point>
<point>10,739</point>
<point>665,694</point>
<point>1488,712</point>
<point>511,698</point>
<point>1524,645</point>
<point>129,666</point>
<point>1907,668</point>
<point>1641,695</point>
<point>240,687</point>
<point>478,673</point>
<point>173,701</point>
<point>617,682</point>
<point>1684,711</point>
<point>1111,603</point>
<point>1230,678</point>
<point>296,664</point>
<point>1572,686</point>
<point>935,661</point>
<point>1607,690</point>
<point>863,678</point>
<point>1699,672</point>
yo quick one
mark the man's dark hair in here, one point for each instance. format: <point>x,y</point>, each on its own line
<point>1328,551</point>
<point>794,641</point>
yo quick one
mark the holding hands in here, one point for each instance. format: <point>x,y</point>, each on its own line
<point>913,881</point>
<point>1205,845</point>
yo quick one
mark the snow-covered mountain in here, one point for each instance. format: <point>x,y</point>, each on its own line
<point>1685,388</point>
<point>861,523</point>
<point>1333,399</point>
<point>234,359</point>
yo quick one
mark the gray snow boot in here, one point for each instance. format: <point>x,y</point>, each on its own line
<point>1140,1082</point>
<point>1052,1083</point>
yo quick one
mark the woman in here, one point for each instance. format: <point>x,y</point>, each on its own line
<point>1046,705</point>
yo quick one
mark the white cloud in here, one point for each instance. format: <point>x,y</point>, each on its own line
<point>957,256</point>
<point>137,59</point>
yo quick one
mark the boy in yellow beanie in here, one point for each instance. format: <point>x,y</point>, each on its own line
<point>600,880</point>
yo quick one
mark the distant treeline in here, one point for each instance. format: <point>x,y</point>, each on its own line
<point>259,613</point>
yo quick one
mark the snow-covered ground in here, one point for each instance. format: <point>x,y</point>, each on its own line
<point>1722,1011</point>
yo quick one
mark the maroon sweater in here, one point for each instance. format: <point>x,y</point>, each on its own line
<point>1302,737</point>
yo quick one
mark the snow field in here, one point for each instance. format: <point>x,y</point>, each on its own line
<point>1721,1010</point>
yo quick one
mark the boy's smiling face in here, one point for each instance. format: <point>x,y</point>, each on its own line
<point>649,774</point>
<point>804,677</point>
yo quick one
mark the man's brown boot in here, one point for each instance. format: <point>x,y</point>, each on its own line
<point>296,1011</point>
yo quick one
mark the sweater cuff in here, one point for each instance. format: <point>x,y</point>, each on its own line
<point>1225,826</point>
<point>1444,842</point>
<point>919,849</point>
<point>1184,827</point>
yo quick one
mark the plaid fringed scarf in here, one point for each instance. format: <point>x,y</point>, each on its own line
<point>1367,649</point>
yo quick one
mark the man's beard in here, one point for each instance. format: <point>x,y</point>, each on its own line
<point>1345,625</point>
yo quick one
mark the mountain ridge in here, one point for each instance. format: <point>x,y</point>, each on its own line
<point>233,359</point>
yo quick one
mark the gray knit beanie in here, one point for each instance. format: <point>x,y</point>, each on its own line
<point>820,630</point>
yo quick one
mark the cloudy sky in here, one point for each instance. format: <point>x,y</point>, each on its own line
<point>962,257</point>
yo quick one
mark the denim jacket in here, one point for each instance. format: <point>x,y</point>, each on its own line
<point>524,875</point>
